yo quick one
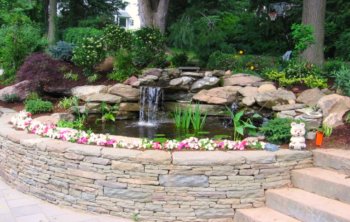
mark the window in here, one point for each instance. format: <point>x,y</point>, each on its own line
<point>122,21</point>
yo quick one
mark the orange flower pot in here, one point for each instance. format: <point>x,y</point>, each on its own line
<point>319,138</point>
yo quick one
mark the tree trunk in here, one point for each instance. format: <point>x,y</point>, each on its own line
<point>51,36</point>
<point>314,14</point>
<point>153,13</point>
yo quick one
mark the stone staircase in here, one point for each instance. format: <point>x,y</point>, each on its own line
<point>320,194</point>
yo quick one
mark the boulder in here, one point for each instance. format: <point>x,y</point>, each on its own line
<point>248,101</point>
<point>204,83</point>
<point>127,92</point>
<point>218,73</point>
<point>334,107</point>
<point>102,97</point>
<point>241,80</point>
<point>129,107</point>
<point>105,66</point>
<point>21,90</point>
<point>310,96</point>
<point>219,95</point>
<point>274,98</point>
<point>266,88</point>
<point>193,74</point>
<point>249,91</point>
<point>152,71</point>
<point>176,95</point>
<point>181,82</point>
<point>130,80</point>
<point>173,72</point>
<point>83,91</point>
<point>63,116</point>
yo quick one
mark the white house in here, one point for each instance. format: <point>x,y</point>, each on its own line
<point>129,17</point>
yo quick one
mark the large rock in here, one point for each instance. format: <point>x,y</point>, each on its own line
<point>193,74</point>
<point>106,65</point>
<point>241,80</point>
<point>310,96</point>
<point>274,98</point>
<point>131,80</point>
<point>204,83</point>
<point>21,90</point>
<point>129,107</point>
<point>152,71</point>
<point>334,107</point>
<point>183,82</point>
<point>83,91</point>
<point>266,88</point>
<point>288,107</point>
<point>248,101</point>
<point>220,95</point>
<point>249,91</point>
<point>102,97</point>
<point>127,92</point>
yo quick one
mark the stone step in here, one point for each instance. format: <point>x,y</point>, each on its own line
<point>323,182</point>
<point>335,159</point>
<point>262,214</point>
<point>307,206</point>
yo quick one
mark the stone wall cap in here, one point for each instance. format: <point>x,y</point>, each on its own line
<point>207,158</point>
<point>87,150</point>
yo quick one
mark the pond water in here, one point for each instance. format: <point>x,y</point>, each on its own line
<point>166,128</point>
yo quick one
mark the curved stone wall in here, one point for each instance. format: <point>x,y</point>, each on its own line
<point>155,185</point>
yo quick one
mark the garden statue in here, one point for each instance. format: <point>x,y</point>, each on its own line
<point>297,141</point>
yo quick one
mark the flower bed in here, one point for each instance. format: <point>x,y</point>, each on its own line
<point>23,121</point>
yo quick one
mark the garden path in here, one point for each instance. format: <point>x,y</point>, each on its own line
<point>18,207</point>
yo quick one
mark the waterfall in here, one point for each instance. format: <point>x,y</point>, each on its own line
<point>150,100</point>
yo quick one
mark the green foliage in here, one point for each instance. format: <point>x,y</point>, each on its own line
<point>107,112</point>
<point>76,35</point>
<point>240,63</point>
<point>11,98</point>
<point>78,123</point>
<point>71,76</point>
<point>301,69</point>
<point>240,127</point>
<point>179,59</point>
<point>182,117</point>
<point>93,77</point>
<point>117,38</point>
<point>331,66</point>
<point>277,130</point>
<point>347,118</point>
<point>303,37</point>
<point>17,42</point>
<point>123,66</point>
<point>342,80</point>
<point>342,45</point>
<point>326,130</point>
<point>62,50</point>
<point>38,106</point>
<point>311,81</point>
<point>89,53</point>
<point>68,102</point>
<point>33,96</point>
<point>198,119</point>
<point>148,48</point>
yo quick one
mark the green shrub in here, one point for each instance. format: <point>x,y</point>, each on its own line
<point>89,53</point>
<point>301,69</point>
<point>77,34</point>
<point>33,96</point>
<point>148,48</point>
<point>277,130</point>
<point>11,98</point>
<point>342,80</point>
<point>116,38</point>
<point>303,36</point>
<point>342,45</point>
<point>123,66</point>
<point>38,106</point>
<point>179,59</point>
<point>68,102</point>
<point>62,51</point>
<point>331,66</point>
<point>17,42</point>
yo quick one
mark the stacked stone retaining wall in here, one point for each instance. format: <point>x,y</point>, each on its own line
<point>151,185</point>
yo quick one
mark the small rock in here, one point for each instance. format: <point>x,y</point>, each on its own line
<point>311,135</point>
<point>130,80</point>
<point>334,108</point>
<point>48,119</point>
<point>208,74</point>
<point>106,65</point>
<point>63,116</point>
<point>219,73</point>
<point>152,71</point>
